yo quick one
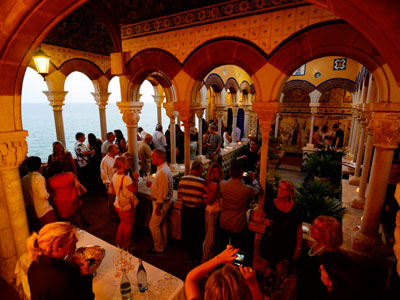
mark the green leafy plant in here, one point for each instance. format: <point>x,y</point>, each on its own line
<point>321,165</point>
<point>316,199</point>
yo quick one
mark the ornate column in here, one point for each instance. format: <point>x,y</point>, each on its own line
<point>385,124</point>
<point>158,100</point>
<point>130,115</point>
<point>56,99</point>
<point>313,110</point>
<point>186,116</point>
<point>355,180</point>
<point>246,109</point>
<point>235,110</point>
<point>220,113</point>
<point>356,137</point>
<point>171,113</point>
<point>13,225</point>
<point>101,100</point>
<point>199,114</point>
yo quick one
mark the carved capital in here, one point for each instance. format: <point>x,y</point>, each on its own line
<point>158,99</point>
<point>235,110</point>
<point>130,112</point>
<point>186,113</point>
<point>200,112</point>
<point>13,149</point>
<point>101,99</point>
<point>170,110</point>
<point>386,129</point>
<point>56,98</point>
<point>266,112</point>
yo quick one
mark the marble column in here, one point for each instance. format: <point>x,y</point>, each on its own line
<point>385,124</point>
<point>130,115</point>
<point>56,99</point>
<point>246,109</point>
<point>171,113</point>
<point>359,201</point>
<point>199,114</point>
<point>158,100</point>
<point>13,225</point>
<point>186,116</point>
<point>313,110</point>
<point>356,138</point>
<point>101,100</point>
<point>353,121</point>
<point>277,124</point>
<point>355,180</point>
<point>235,110</point>
<point>220,113</point>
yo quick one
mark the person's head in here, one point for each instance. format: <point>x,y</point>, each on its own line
<point>113,150</point>
<point>56,240</point>
<point>58,148</point>
<point>92,139</point>
<point>324,128</point>
<point>193,136</point>
<point>33,163</point>
<point>215,172</point>
<point>197,168</point>
<point>80,137</point>
<point>157,157</point>
<point>335,127</point>
<point>110,137</point>
<point>327,231</point>
<point>140,129</point>
<point>236,170</point>
<point>315,128</point>
<point>228,129</point>
<point>121,164</point>
<point>227,283</point>
<point>285,190</point>
<point>159,127</point>
<point>57,167</point>
<point>148,138</point>
<point>129,157</point>
<point>212,129</point>
<point>118,134</point>
<point>253,145</point>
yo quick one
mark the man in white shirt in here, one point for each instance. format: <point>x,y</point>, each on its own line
<point>109,141</point>
<point>161,191</point>
<point>159,140</point>
<point>35,193</point>
<point>106,172</point>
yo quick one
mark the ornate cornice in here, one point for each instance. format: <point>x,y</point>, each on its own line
<point>13,149</point>
<point>130,112</point>
<point>210,14</point>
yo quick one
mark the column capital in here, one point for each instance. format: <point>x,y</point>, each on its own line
<point>186,113</point>
<point>130,112</point>
<point>314,107</point>
<point>235,110</point>
<point>101,99</point>
<point>266,113</point>
<point>158,99</point>
<point>13,149</point>
<point>56,98</point>
<point>170,110</point>
<point>314,96</point>
<point>385,127</point>
<point>200,112</point>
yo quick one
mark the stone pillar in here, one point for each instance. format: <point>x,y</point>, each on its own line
<point>313,110</point>
<point>246,109</point>
<point>355,180</point>
<point>220,113</point>
<point>385,124</point>
<point>130,115</point>
<point>158,100</point>
<point>235,110</point>
<point>13,225</point>
<point>56,99</point>
<point>186,116</point>
<point>169,108</point>
<point>356,138</point>
<point>277,124</point>
<point>101,100</point>
<point>199,114</point>
<point>353,121</point>
<point>359,201</point>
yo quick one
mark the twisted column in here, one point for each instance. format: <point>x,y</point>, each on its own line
<point>101,101</point>
<point>56,99</point>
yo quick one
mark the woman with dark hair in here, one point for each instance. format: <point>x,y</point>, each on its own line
<point>120,141</point>
<point>63,193</point>
<point>95,144</point>
<point>326,136</point>
<point>227,137</point>
<point>60,154</point>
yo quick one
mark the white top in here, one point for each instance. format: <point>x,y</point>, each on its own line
<point>116,180</point>
<point>35,193</point>
<point>106,168</point>
<point>226,141</point>
<point>159,141</point>
<point>162,187</point>
<point>105,146</point>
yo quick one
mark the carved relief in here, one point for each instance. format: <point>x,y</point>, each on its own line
<point>12,154</point>
<point>386,129</point>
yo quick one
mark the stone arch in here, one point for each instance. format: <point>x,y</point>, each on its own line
<point>215,81</point>
<point>232,85</point>
<point>317,42</point>
<point>156,63</point>
<point>245,87</point>
<point>298,84</point>
<point>343,83</point>
<point>222,51</point>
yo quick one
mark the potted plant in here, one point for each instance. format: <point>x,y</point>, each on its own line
<point>316,199</point>
<point>321,166</point>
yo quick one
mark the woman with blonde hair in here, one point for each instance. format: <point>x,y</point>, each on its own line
<point>125,201</point>
<point>49,275</point>
<point>61,154</point>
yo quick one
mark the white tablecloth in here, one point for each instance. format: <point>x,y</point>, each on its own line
<point>162,285</point>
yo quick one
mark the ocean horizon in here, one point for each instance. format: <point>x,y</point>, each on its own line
<point>38,120</point>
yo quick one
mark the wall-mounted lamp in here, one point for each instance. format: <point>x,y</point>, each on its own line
<point>42,62</point>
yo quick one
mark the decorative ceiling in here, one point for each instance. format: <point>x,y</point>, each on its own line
<point>96,26</point>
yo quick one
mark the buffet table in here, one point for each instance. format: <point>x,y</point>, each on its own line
<point>161,285</point>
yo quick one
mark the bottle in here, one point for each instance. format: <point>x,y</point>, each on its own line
<point>141,277</point>
<point>125,287</point>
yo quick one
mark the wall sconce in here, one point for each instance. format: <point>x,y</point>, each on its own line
<point>42,62</point>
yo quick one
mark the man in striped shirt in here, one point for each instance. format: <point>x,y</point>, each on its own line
<point>192,193</point>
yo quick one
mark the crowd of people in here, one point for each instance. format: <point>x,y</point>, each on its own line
<point>328,138</point>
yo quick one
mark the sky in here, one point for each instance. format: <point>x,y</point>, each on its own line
<point>79,88</point>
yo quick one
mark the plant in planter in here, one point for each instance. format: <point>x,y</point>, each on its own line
<point>315,199</point>
<point>321,166</point>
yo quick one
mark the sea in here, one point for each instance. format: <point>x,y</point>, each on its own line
<point>38,120</point>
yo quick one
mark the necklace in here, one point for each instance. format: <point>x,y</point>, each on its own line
<point>310,252</point>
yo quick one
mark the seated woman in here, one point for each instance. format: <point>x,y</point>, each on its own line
<point>49,275</point>
<point>226,283</point>
<point>327,233</point>
<point>62,189</point>
<point>60,154</point>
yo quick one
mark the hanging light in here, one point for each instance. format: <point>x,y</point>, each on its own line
<point>42,62</point>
